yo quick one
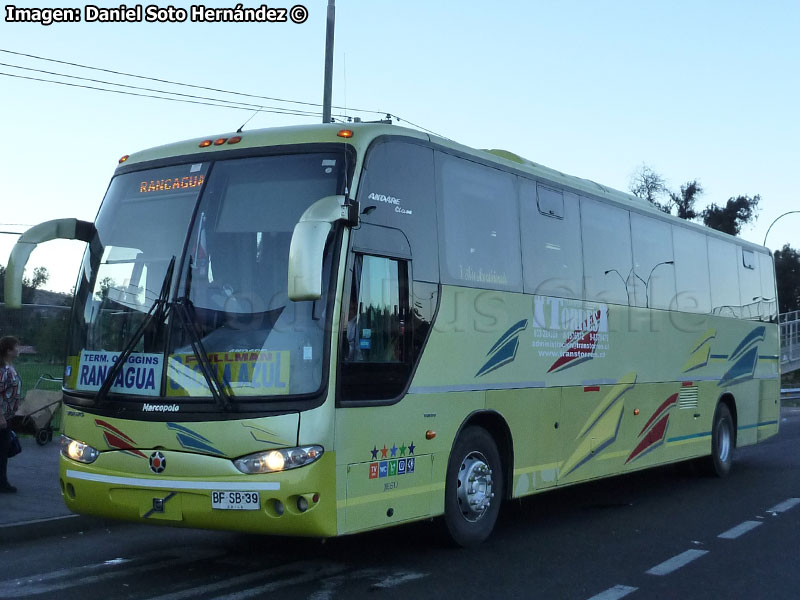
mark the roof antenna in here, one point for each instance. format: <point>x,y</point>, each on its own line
<point>248,120</point>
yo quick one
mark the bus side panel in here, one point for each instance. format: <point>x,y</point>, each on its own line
<point>533,416</point>
<point>386,464</point>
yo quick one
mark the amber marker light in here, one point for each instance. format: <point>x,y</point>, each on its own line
<point>636,412</point>
<point>430,434</point>
<point>124,158</point>
<point>205,143</point>
<point>235,139</point>
<point>345,133</point>
<point>220,141</point>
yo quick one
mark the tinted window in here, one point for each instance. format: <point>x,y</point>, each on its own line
<point>608,276</point>
<point>551,247</point>
<point>376,351</point>
<point>653,262</point>
<point>766,270</point>
<point>398,181</point>
<point>691,271</point>
<point>749,284</point>
<point>722,261</point>
<point>480,223</point>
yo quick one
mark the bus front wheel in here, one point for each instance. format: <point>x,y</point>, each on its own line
<point>473,488</point>
<point>722,443</point>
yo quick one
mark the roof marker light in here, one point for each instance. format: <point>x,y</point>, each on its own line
<point>220,141</point>
<point>205,143</point>
<point>124,158</point>
<point>235,139</point>
<point>345,133</point>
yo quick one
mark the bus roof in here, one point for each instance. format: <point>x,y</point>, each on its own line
<point>365,133</point>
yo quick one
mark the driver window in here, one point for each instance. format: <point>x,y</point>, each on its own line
<point>375,338</point>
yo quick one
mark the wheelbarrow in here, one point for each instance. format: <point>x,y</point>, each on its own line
<point>37,412</point>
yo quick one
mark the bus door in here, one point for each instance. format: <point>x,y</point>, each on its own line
<point>378,428</point>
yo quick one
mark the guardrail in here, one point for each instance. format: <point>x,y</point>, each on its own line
<point>790,394</point>
<point>790,341</point>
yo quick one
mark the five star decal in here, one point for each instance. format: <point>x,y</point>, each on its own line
<point>394,466</point>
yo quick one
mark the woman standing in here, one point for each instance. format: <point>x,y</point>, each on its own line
<point>9,402</point>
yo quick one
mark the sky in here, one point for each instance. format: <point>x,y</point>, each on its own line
<point>695,90</point>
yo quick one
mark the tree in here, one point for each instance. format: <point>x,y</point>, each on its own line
<point>787,274</point>
<point>684,202</point>
<point>730,218</point>
<point>649,185</point>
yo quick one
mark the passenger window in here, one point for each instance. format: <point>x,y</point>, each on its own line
<point>749,285</point>
<point>376,336</point>
<point>691,271</point>
<point>769,300</point>
<point>722,261</point>
<point>480,224</point>
<point>551,247</point>
<point>653,262</point>
<point>608,272</point>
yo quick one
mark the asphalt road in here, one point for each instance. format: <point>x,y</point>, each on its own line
<point>666,533</point>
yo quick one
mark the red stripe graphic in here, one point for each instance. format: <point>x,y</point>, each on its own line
<point>667,403</point>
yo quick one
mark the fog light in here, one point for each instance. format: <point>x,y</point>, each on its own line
<point>302,504</point>
<point>278,507</point>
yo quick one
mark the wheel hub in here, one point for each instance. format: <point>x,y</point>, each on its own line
<point>474,486</point>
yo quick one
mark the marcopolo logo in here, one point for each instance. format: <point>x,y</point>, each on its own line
<point>160,407</point>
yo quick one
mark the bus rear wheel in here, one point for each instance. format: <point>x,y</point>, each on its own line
<point>722,443</point>
<point>473,488</point>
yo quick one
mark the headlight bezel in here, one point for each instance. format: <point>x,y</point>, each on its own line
<point>78,451</point>
<point>278,460</point>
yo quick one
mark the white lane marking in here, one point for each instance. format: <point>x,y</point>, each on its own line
<point>614,593</point>
<point>785,505</point>
<point>312,574</point>
<point>77,576</point>
<point>175,484</point>
<point>740,529</point>
<point>398,579</point>
<point>676,562</point>
<point>308,572</point>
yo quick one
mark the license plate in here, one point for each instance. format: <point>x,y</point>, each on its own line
<point>235,500</point>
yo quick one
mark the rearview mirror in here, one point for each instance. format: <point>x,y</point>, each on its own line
<point>308,245</point>
<point>58,229</point>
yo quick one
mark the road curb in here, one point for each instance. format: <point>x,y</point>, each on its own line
<point>53,526</point>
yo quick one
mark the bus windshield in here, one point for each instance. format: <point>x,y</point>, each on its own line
<point>228,225</point>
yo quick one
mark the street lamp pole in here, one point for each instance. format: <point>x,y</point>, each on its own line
<point>775,221</point>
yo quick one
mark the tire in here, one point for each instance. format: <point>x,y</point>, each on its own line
<point>43,436</point>
<point>473,488</point>
<point>722,443</point>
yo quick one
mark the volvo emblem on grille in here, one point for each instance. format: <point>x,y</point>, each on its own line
<point>157,462</point>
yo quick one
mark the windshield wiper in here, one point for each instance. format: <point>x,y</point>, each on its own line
<point>219,390</point>
<point>159,308</point>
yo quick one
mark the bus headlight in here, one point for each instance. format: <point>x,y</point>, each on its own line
<point>78,450</point>
<point>282,459</point>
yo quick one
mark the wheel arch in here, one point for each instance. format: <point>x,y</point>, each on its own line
<point>497,427</point>
<point>730,401</point>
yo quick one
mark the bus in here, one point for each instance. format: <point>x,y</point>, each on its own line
<point>322,330</point>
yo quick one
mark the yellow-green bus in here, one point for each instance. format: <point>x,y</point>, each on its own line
<point>317,331</point>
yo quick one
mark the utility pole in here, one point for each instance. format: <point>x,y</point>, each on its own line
<point>326,95</point>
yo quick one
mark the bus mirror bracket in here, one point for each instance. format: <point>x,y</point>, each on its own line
<point>308,244</point>
<point>57,229</point>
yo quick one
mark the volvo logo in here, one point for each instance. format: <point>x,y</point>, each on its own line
<point>157,462</point>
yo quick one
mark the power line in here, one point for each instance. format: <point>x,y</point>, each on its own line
<point>135,87</point>
<point>201,87</point>
<point>90,87</point>
<point>218,102</point>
